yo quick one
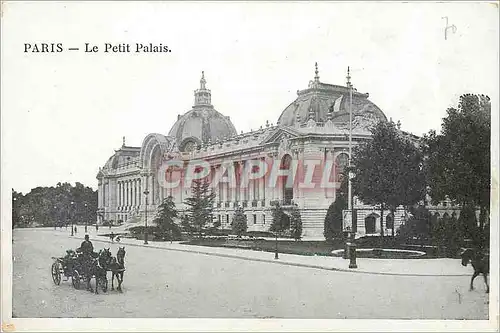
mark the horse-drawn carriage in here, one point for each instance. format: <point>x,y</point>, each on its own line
<point>84,268</point>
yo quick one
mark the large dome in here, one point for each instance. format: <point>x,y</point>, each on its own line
<point>321,101</point>
<point>202,123</point>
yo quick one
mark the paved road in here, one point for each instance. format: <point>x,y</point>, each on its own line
<point>162,283</point>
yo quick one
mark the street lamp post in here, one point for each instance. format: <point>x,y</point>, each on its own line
<point>276,249</point>
<point>85,218</point>
<point>55,218</point>
<point>71,209</point>
<point>146,218</point>
<point>351,246</point>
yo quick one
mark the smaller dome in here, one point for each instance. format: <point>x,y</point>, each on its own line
<point>202,123</point>
<point>322,101</point>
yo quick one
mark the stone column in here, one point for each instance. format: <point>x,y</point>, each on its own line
<point>151,189</point>
<point>99,193</point>
<point>262,189</point>
<point>128,194</point>
<point>139,192</point>
<point>134,193</point>
<point>143,188</point>
<point>234,184</point>
<point>107,193</point>
<point>123,194</point>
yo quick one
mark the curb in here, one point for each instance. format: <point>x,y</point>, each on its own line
<point>274,261</point>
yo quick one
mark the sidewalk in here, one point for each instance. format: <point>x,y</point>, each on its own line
<point>405,267</point>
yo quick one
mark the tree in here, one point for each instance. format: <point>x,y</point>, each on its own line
<point>280,222</point>
<point>199,212</point>
<point>165,219</point>
<point>458,159</point>
<point>417,225</point>
<point>239,224</point>
<point>334,215</point>
<point>333,218</point>
<point>186,225</point>
<point>51,206</point>
<point>17,202</point>
<point>296,223</point>
<point>388,170</point>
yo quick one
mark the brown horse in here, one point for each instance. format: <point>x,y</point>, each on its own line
<point>480,262</point>
<point>117,268</point>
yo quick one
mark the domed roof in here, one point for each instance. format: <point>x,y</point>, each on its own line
<point>322,101</point>
<point>202,123</point>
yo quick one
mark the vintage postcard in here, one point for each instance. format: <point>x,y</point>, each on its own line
<point>249,166</point>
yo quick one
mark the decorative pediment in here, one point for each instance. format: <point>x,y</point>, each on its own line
<point>280,134</point>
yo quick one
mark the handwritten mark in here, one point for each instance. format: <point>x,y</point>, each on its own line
<point>8,327</point>
<point>452,27</point>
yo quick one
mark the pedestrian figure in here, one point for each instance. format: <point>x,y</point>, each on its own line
<point>96,227</point>
<point>112,236</point>
<point>75,229</point>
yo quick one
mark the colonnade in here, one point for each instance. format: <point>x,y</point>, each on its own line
<point>129,193</point>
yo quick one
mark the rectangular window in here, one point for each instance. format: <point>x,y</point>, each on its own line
<point>227,219</point>
<point>254,218</point>
<point>263,218</point>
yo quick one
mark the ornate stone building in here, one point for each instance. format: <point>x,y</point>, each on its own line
<point>315,126</point>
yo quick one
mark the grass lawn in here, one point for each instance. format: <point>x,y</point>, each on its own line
<point>311,248</point>
<point>308,248</point>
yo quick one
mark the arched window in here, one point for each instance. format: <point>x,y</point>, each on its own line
<point>286,163</point>
<point>341,163</point>
<point>370,224</point>
<point>389,221</point>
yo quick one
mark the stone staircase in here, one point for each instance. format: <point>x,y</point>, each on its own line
<point>313,223</point>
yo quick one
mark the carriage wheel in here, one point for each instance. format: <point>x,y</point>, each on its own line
<point>103,282</point>
<point>75,279</point>
<point>56,273</point>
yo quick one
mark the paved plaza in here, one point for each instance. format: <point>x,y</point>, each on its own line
<point>174,280</point>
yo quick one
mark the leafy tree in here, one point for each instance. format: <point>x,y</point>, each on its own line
<point>447,236</point>
<point>296,223</point>
<point>186,224</point>
<point>239,224</point>
<point>334,216</point>
<point>51,206</point>
<point>418,225</point>
<point>17,202</point>
<point>165,219</point>
<point>199,212</point>
<point>388,170</point>
<point>280,221</point>
<point>458,159</point>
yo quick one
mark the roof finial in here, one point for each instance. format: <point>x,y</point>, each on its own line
<point>202,81</point>
<point>348,77</point>
<point>123,141</point>
<point>316,77</point>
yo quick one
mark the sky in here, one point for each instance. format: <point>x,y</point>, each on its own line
<point>64,114</point>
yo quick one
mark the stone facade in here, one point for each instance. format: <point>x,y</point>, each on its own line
<point>314,127</point>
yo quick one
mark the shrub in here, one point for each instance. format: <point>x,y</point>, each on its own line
<point>417,226</point>
<point>333,218</point>
<point>239,224</point>
<point>296,224</point>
